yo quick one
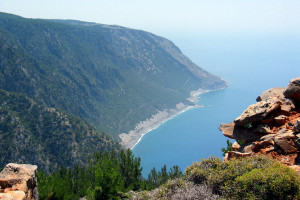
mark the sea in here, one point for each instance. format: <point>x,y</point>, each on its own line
<point>251,64</point>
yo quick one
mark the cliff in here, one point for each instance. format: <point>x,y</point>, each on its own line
<point>270,127</point>
<point>68,88</point>
<point>268,145</point>
<point>112,77</point>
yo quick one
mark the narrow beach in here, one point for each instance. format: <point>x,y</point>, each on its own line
<point>134,136</point>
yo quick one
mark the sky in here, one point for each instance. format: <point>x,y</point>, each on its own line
<point>167,17</point>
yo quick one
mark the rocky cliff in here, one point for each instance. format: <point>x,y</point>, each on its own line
<point>19,182</point>
<point>270,127</point>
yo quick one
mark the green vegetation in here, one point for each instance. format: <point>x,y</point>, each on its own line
<point>157,178</point>
<point>107,176</point>
<point>228,148</point>
<point>112,176</point>
<point>32,133</point>
<point>109,76</point>
<point>246,178</point>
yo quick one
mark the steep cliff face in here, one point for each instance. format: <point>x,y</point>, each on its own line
<point>270,127</point>
<point>112,77</point>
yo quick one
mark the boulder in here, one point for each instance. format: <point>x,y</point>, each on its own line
<point>18,178</point>
<point>227,129</point>
<point>239,133</point>
<point>235,146</point>
<point>268,139</point>
<point>285,142</point>
<point>287,105</point>
<point>247,148</point>
<point>257,112</point>
<point>13,195</point>
<point>293,89</point>
<point>271,93</point>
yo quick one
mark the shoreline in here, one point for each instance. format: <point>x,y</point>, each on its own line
<point>131,139</point>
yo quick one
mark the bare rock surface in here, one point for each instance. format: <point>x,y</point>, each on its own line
<point>285,142</point>
<point>276,92</point>
<point>235,146</point>
<point>239,133</point>
<point>263,128</point>
<point>293,89</point>
<point>270,127</point>
<point>257,112</point>
<point>19,181</point>
<point>281,119</point>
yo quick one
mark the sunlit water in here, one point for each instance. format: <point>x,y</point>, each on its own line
<point>251,65</point>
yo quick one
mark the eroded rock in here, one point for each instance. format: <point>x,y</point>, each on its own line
<point>276,92</point>
<point>281,119</point>
<point>232,131</point>
<point>257,112</point>
<point>235,146</point>
<point>235,154</point>
<point>293,89</point>
<point>287,105</point>
<point>285,142</point>
<point>270,127</point>
<point>18,178</point>
<point>263,128</point>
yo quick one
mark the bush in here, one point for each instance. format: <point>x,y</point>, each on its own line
<point>275,182</point>
<point>247,178</point>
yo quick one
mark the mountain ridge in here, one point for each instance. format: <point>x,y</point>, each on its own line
<point>101,73</point>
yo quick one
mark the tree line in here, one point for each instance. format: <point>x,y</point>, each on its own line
<point>108,175</point>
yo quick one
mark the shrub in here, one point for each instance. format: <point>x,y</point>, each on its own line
<point>256,177</point>
<point>274,182</point>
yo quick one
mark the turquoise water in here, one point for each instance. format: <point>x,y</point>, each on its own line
<point>251,65</point>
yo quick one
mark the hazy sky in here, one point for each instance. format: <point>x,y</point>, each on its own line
<point>171,16</point>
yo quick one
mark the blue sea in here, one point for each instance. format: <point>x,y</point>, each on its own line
<point>251,64</point>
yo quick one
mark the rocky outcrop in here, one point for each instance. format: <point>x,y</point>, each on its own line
<point>270,127</point>
<point>293,89</point>
<point>19,182</point>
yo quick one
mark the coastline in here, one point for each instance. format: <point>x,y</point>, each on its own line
<point>143,127</point>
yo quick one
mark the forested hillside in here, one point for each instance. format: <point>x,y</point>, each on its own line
<point>49,138</point>
<point>110,76</point>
